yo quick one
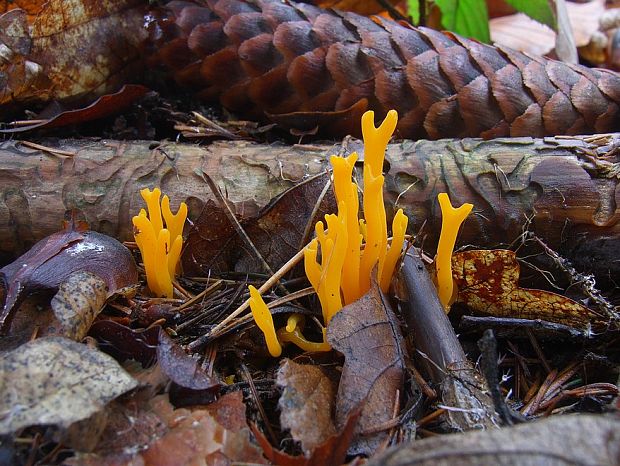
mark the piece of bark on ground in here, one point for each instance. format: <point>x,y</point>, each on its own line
<point>563,189</point>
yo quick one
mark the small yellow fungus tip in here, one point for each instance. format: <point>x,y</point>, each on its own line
<point>160,247</point>
<point>264,320</point>
<point>292,333</point>
<point>451,220</point>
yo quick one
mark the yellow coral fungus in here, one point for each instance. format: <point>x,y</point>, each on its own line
<point>160,247</point>
<point>264,320</point>
<point>292,333</point>
<point>342,274</point>
<point>451,220</point>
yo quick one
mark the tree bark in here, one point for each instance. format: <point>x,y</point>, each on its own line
<point>563,189</point>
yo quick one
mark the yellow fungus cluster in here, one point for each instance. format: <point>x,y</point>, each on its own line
<point>160,247</point>
<point>343,273</point>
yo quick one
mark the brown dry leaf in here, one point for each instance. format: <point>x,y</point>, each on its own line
<point>56,381</point>
<point>488,282</point>
<point>80,49</point>
<point>277,231</point>
<point>79,300</point>
<point>368,335</point>
<point>204,436</point>
<point>191,382</point>
<point>558,440</point>
<point>50,261</point>
<point>520,32</point>
<point>306,404</point>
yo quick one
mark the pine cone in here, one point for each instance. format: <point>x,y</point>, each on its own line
<point>303,67</point>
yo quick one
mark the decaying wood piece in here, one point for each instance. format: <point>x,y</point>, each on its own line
<point>463,390</point>
<point>564,189</point>
<point>557,440</point>
<point>303,67</point>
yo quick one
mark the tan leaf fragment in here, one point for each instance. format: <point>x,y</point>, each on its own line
<point>79,300</point>
<point>488,282</point>
<point>306,404</point>
<point>367,333</point>
<point>56,381</point>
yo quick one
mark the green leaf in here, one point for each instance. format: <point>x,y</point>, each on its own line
<point>540,10</point>
<point>468,18</point>
<point>413,9</point>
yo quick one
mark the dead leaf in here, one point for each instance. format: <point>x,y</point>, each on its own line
<point>488,282</point>
<point>332,452</point>
<point>520,32</point>
<point>277,231</point>
<point>368,335</point>
<point>56,381</point>
<point>50,262</point>
<point>79,300</point>
<point>105,105</point>
<point>80,49</point>
<point>557,440</point>
<point>306,404</point>
<point>32,7</point>
<point>123,343</point>
<point>200,437</point>
<point>195,385</point>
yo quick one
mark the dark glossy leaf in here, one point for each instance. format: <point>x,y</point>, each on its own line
<point>50,261</point>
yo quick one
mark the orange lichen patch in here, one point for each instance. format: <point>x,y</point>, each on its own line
<point>488,282</point>
<point>160,247</point>
<point>451,220</point>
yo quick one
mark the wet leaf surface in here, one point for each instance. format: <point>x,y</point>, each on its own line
<point>56,381</point>
<point>53,259</point>
<point>488,282</point>
<point>368,335</point>
<point>306,404</point>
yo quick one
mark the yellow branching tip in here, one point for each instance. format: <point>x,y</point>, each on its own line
<point>264,320</point>
<point>451,220</point>
<point>160,247</point>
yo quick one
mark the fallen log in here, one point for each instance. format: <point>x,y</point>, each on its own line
<point>564,189</point>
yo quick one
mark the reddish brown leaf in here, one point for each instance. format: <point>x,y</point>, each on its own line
<point>488,282</point>
<point>306,404</point>
<point>104,106</point>
<point>50,261</point>
<point>195,386</point>
<point>368,335</point>
<point>80,49</point>
<point>332,452</point>
<point>200,437</point>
